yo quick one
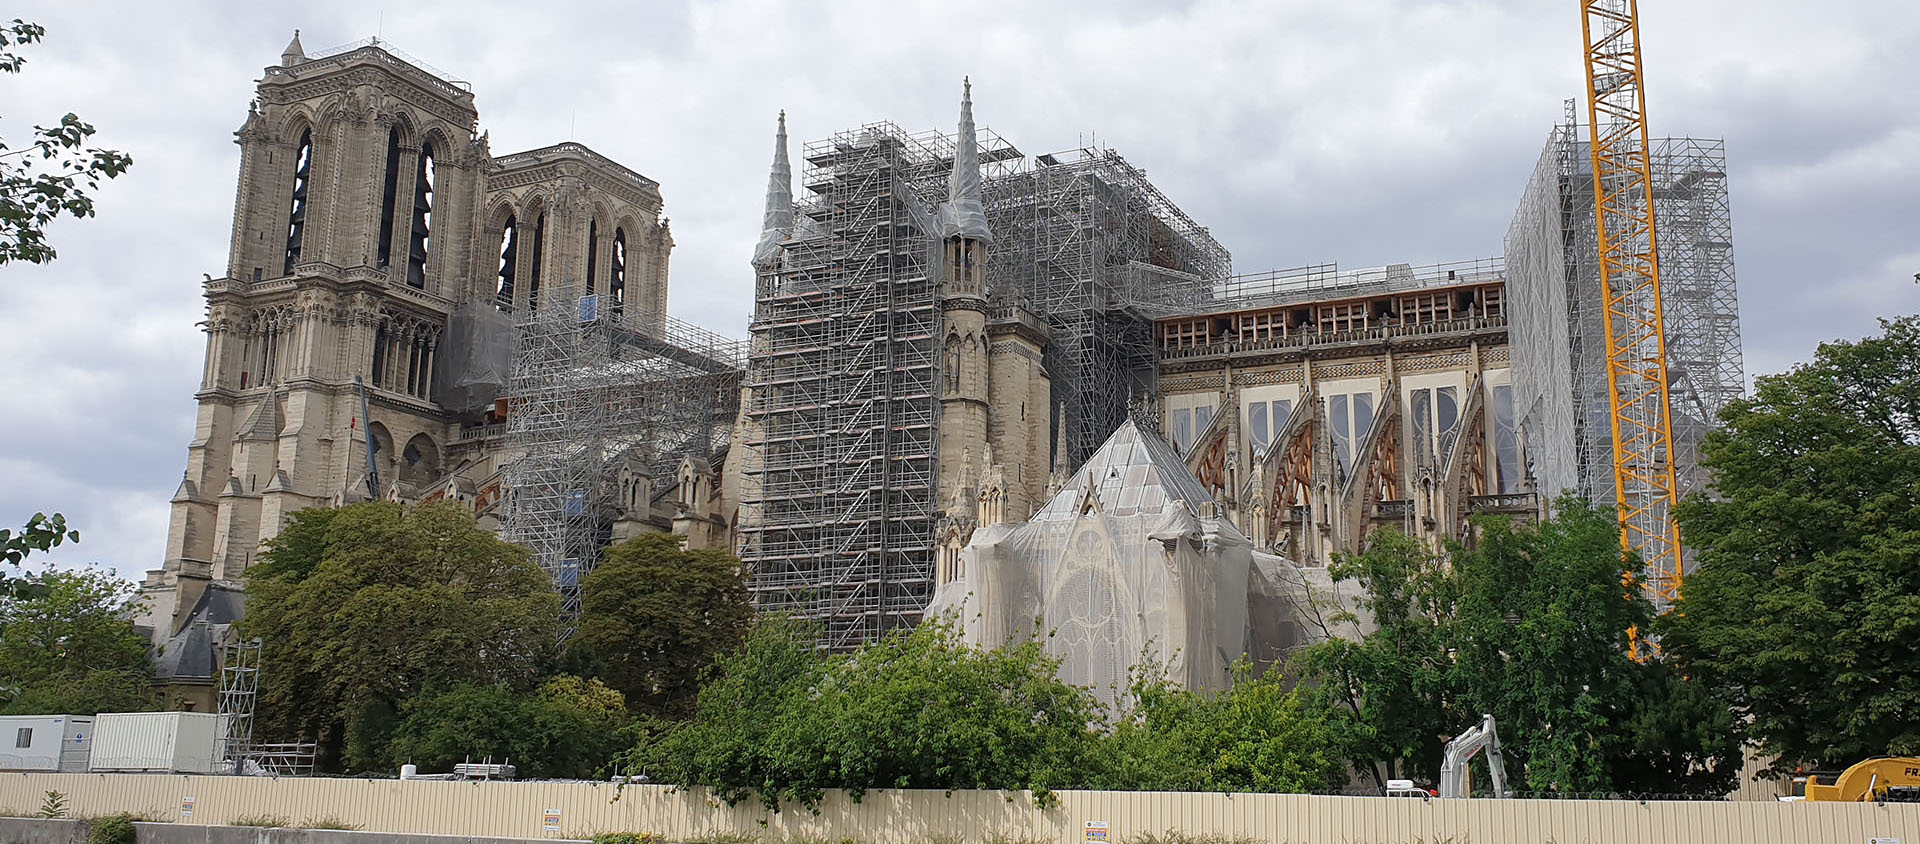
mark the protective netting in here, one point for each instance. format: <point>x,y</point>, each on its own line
<point>1126,563</point>
<point>474,360</point>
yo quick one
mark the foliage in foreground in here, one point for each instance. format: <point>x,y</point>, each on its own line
<point>654,617</point>
<point>54,175</point>
<point>1531,625</point>
<point>569,728</point>
<point>1803,608</point>
<point>783,722</point>
<point>68,646</point>
<point>365,606</point>
<point>1254,736</point>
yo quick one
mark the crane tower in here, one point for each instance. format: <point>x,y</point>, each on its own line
<point>1644,480</point>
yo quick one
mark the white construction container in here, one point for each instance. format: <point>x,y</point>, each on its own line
<point>45,742</point>
<point>174,742</point>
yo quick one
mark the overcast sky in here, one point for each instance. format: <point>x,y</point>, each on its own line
<point>1365,132</point>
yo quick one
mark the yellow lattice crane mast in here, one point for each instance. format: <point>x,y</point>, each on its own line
<point>1645,489</point>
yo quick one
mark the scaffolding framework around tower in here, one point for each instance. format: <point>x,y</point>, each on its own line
<point>1559,341</point>
<point>838,495</point>
<point>589,387</point>
<point>1084,239</point>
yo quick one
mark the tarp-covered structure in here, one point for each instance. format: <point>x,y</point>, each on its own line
<point>475,359</point>
<point>1128,562</point>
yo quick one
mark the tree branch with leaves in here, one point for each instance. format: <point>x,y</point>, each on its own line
<point>55,174</point>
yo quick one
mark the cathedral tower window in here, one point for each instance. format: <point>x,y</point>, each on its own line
<point>422,219</point>
<point>297,215</point>
<point>509,255</point>
<point>617,278</point>
<point>389,195</point>
<point>593,256</point>
<point>380,341</point>
<point>533,272</point>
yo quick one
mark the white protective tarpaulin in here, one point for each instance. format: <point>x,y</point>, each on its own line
<point>1121,565</point>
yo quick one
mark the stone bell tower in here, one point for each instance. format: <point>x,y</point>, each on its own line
<point>360,187</point>
<point>963,306</point>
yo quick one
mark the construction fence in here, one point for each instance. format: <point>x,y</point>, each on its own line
<point>563,810</point>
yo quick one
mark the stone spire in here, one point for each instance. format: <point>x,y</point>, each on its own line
<point>294,54</point>
<point>1062,470</point>
<point>777,223</point>
<point>963,214</point>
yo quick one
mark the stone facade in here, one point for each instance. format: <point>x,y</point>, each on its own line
<point>369,217</point>
<point>1316,417</point>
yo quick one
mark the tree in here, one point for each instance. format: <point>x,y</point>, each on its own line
<point>1529,624</point>
<point>1390,687</point>
<point>569,728</point>
<point>51,176</point>
<point>654,616</point>
<point>1806,598</point>
<point>1254,736</point>
<point>362,607</point>
<point>915,710</point>
<point>41,533</point>
<point>68,646</point>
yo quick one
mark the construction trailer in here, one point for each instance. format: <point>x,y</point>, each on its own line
<point>56,743</point>
<point>160,742</point>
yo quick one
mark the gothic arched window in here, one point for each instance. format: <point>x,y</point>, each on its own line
<point>509,252</point>
<point>297,215</point>
<point>617,278</point>
<point>389,195</point>
<point>422,219</point>
<point>533,272</point>
<point>593,255</point>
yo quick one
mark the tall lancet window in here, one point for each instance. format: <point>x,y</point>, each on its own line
<point>539,250</point>
<point>297,216</point>
<point>617,278</point>
<point>593,256</point>
<point>422,219</point>
<point>509,253</point>
<point>389,196</point>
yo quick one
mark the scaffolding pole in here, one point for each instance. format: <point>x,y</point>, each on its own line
<point>591,388</point>
<point>840,480</point>
<point>1558,332</point>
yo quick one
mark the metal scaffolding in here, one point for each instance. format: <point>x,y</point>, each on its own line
<point>839,488</point>
<point>1558,340</point>
<point>239,685</point>
<point>838,499</point>
<point>1085,240</point>
<point>589,389</point>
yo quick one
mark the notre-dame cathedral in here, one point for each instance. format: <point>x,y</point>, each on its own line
<point>358,343</point>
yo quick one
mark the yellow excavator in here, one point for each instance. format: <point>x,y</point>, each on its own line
<point>1889,779</point>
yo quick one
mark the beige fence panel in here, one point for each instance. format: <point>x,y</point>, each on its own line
<point>578,809</point>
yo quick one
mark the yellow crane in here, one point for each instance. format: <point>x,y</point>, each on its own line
<point>1645,489</point>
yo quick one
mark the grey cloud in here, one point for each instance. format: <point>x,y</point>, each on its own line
<point>1362,132</point>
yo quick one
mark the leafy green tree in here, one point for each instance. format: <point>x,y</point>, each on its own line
<point>1391,687</point>
<point>917,710</point>
<point>1803,607</point>
<point>68,646</point>
<point>55,174</point>
<point>727,744</point>
<point>41,533</point>
<point>362,607</point>
<point>1530,624</point>
<point>1254,736</point>
<point>654,616</point>
<point>568,728</point>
